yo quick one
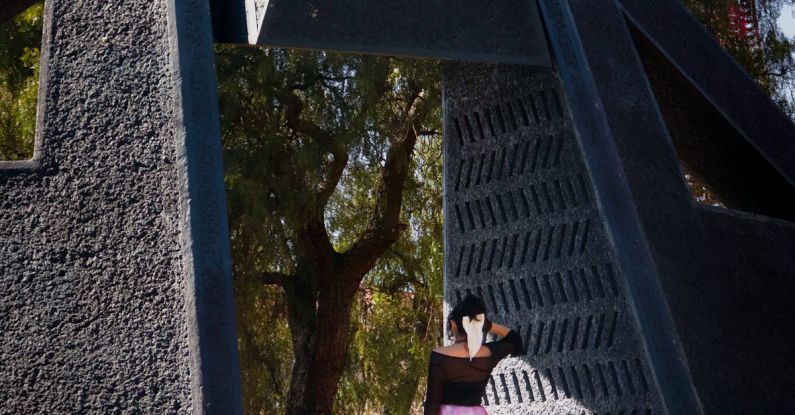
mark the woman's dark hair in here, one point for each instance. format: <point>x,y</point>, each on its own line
<point>469,306</point>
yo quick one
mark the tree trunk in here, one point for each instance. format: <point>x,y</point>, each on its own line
<point>301,300</point>
<point>322,346</point>
<point>320,301</point>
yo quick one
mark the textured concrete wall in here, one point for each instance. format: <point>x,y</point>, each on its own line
<point>108,264</point>
<point>743,361</point>
<point>525,233</point>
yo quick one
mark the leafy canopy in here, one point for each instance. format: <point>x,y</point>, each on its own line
<point>19,74</point>
<point>289,120</point>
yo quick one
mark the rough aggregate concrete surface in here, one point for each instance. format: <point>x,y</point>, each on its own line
<point>526,233</point>
<point>92,297</point>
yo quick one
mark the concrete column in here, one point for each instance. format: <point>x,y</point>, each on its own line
<point>115,275</point>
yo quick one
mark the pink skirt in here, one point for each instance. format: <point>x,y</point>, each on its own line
<point>462,410</point>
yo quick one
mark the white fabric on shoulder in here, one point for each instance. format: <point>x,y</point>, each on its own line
<point>474,331</point>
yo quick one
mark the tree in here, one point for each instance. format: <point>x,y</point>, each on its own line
<point>297,126</point>
<point>749,31</point>
<point>19,74</point>
<point>397,316</point>
<point>11,8</point>
<point>779,54</point>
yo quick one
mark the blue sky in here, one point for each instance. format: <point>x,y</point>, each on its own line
<point>787,21</point>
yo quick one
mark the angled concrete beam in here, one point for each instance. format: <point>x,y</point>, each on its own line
<point>591,45</point>
<point>698,56</point>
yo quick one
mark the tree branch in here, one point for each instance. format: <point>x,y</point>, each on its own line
<point>312,235</point>
<point>293,109</point>
<point>315,244</point>
<point>275,278</point>
<point>336,167</point>
<point>322,80</point>
<point>424,133</point>
<point>333,176</point>
<point>384,227</point>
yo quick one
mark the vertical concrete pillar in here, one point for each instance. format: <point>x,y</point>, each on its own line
<point>115,275</point>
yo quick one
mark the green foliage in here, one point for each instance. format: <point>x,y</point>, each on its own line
<point>264,346</point>
<point>19,75</point>
<point>287,118</point>
<point>398,318</point>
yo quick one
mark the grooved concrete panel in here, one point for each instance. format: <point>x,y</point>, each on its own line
<point>524,233</point>
<point>472,30</point>
<point>93,271</point>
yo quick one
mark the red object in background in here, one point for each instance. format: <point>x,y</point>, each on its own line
<point>742,20</point>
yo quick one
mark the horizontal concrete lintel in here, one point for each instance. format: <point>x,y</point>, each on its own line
<point>471,31</point>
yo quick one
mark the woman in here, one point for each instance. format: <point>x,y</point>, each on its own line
<point>457,374</point>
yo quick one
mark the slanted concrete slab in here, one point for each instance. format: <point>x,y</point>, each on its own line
<point>726,276</point>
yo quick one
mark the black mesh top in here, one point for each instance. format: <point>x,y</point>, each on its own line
<point>459,381</point>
